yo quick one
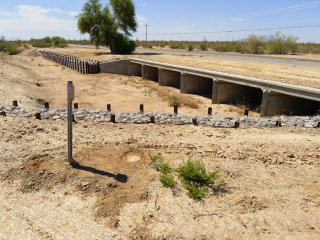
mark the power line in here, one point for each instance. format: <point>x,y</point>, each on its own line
<point>234,31</point>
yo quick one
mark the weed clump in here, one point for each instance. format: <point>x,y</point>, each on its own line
<point>195,178</point>
<point>193,175</point>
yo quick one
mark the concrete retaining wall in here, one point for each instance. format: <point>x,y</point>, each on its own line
<point>80,65</point>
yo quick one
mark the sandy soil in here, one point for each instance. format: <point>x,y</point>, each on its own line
<point>271,176</point>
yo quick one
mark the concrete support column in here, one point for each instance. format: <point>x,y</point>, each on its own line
<point>168,78</point>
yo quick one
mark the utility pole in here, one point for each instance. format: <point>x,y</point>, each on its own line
<point>146,35</point>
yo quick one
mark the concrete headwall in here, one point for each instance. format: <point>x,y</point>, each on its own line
<point>115,67</point>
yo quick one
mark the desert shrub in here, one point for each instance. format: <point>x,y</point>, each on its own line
<point>173,100</point>
<point>256,44</point>
<point>174,45</point>
<point>282,44</point>
<point>9,47</point>
<point>12,49</point>
<point>195,178</point>
<point>203,47</point>
<point>190,48</point>
<point>59,42</point>
<point>41,43</point>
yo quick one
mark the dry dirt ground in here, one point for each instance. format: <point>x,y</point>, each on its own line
<point>271,177</point>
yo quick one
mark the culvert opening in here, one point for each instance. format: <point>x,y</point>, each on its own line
<point>240,96</point>
<point>150,73</point>
<point>289,105</point>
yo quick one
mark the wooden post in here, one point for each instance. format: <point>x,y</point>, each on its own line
<point>109,107</point>
<point>278,123</point>
<point>141,108</point>
<point>246,112</point>
<point>38,116</point>
<point>113,118</point>
<point>194,121</point>
<point>236,124</point>
<point>175,109</point>
<point>75,105</point>
<point>151,119</point>
<point>46,105</point>
<point>15,103</point>
<point>209,111</point>
<point>3,113</point>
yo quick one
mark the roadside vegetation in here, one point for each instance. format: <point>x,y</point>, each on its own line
<point>192,175</point>
<point>49,42</point>
<point>12,47</point>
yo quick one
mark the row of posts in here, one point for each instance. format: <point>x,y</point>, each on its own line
<point>83,66</point>
<point>113,119</point>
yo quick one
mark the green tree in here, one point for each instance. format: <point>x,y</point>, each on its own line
<point>282,44</point>
<point>109,28</point>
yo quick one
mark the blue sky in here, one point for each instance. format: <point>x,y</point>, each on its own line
<point>170,20</point>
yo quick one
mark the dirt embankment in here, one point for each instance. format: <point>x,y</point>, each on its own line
<point>271,176</point>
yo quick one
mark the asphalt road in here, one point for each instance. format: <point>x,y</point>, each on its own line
<point>297,62</point>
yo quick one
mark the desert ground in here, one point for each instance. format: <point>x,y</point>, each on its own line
<point>270,189</point>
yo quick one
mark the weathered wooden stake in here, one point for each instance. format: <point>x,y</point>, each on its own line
<point>73,118</point>
<point>113,118</point>
<point>194,121</point>
<point>236,124</point>
<point>141,108</point>
<point>75,105</point>
<point>246,112</point>
<point>38,116</point>
<point>151,119</point>
<point>318,125</point>
<point>209,111</point>
<point>109,107</point>
<point>3,113</point>
<point>278,123</point>
<point>175,109</point>
<point>46,105</point>
<point>15,103</point>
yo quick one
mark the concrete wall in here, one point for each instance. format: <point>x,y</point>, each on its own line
<point>195,84</point>
<point>169,78</point>
<point>225,92</point>
<point>149,73</point>
<point>115,67</point>
<point>274,103</point>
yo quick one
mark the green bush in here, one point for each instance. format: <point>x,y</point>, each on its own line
<point>121,44</point>
<point>12,49</point>
<point>256,44</point>
<point>195,178</point>
<point>166,178</point>
<point>203,47</point>
<point>41,43</point>
<point>59,42</point>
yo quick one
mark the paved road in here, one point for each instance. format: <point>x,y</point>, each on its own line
<point>297,62</point>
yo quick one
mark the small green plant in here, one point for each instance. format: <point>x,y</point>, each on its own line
<point>166,177</point>
<point>190,48</point>
<point>63,68</point>
<point>173,100</point>
<point>32,59</point>
<point>167,180</point>
<point>195,178</point>
<point>148,92</point>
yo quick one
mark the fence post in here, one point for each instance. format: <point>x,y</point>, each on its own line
<point>70,99</point>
